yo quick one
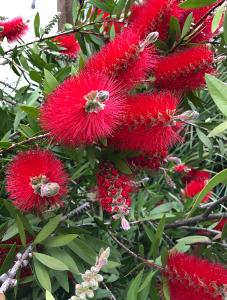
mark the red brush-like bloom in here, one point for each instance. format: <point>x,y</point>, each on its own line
<point>221,224</point>
<point>69,43</point>
<point>35,180</point>
<point>114,192</point>
<point>83,109</point>
<point>124,58</point>
<point>151,161</point>
<point>182,169</point>
<point>153,16</point>
<point>149,124</point>
<point>193,278</point>
<point>194,187</point>
<point>174,71</point>
<point>13,29</point>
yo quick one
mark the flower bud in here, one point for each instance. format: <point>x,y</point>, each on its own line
<point>49,189</point>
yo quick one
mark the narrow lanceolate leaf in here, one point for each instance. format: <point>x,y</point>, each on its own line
<point>134,287</point>
<point>217,19</point>
<point>218,92</point>
<point>218,130</point>
<point>158,237</point>
<point>50,82</point>
<point>37,25</point>
<point>225,28</point>
<point>214,181</point>
<point>60,240</point>
<point>50,262</point>
<point>196,3</point>
<point>21,230</point>
<point>187,25</point>
<point>47,230</point>
<point>42,275</point>
<point>49,296</point>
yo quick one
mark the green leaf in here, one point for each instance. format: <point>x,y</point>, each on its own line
<point>147,280</point>
<point>194,239</point>
<point>187,25</point>
<point>83,251</point>
<point>37,25</point>
<point>60,240</point>
<point>218,92</point>
<point>214,181</point>
<point>196,3</point>
<point>219,129</point>
<point>50,262</point>
<point>35,76</point>
<point>204,139</point>
<point>21,230</point>
<point>7,263</point>
<point>49,296</point>
<point>123,166</point>
<point>165,288</point>
<point>106,6</point>
<point>42,275</point>
<point>47,230</point>
<point>30,110</point>
<point>134,287</point>
<point>158,237</point>
<point>217,19</point>
<point>119,8</point>
<point>225,28</point>
<point>50,82</point>
<point>62,279</point>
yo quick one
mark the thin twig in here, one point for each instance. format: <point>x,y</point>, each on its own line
<point>144,260</point>
<point>28,141</point>
<point>214,205</point>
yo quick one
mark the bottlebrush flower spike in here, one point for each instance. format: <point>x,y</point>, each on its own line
<point>69,43</point>
<point>153,16</point>
<point>174,70</point>
<point>125,58</point>
<point>13,29</point>
<point>193,278</point>
<point>152,161</point>
<point>114,192</point>
<point>83,109</point>
<point>149,124</point>
<point>221,224</point>
<point>36,180</point>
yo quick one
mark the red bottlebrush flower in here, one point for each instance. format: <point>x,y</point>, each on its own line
<point>35,180</point>
<point>13,29</point>
<point>149,124</point>
<point>182,169</point>
<point>124,58</point>
<point>173,71</point>
<point>221,224</point>
<point>153,16</point>
<point>194,187</point>
<point>83,109</point>
<point>114,192</point>
<point>151,161</point>
<point>69,43</point>
<point>193,278</point>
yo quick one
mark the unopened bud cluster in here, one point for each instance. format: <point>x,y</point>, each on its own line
<point>114,192</point>
<point>91,278</point>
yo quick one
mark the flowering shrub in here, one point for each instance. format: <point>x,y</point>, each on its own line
<point>113,137</point>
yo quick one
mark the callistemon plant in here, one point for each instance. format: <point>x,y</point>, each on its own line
<point>120,106</point>
<point>114,192</point>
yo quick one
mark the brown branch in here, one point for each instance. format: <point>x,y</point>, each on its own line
<point>138,257</point>
<point>214,205</point>
<point>25,142</point>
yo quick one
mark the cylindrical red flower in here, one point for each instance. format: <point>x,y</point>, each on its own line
<point>153,16</point>
<point>83,109</point>
<point>13,29</point>
<point>69,43</point>
<point>114,192</point>
<point>36,180</point>
<point>124,58</point>
<point>150,124</point>
<point>184,70</point>
<point>194,278</point>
